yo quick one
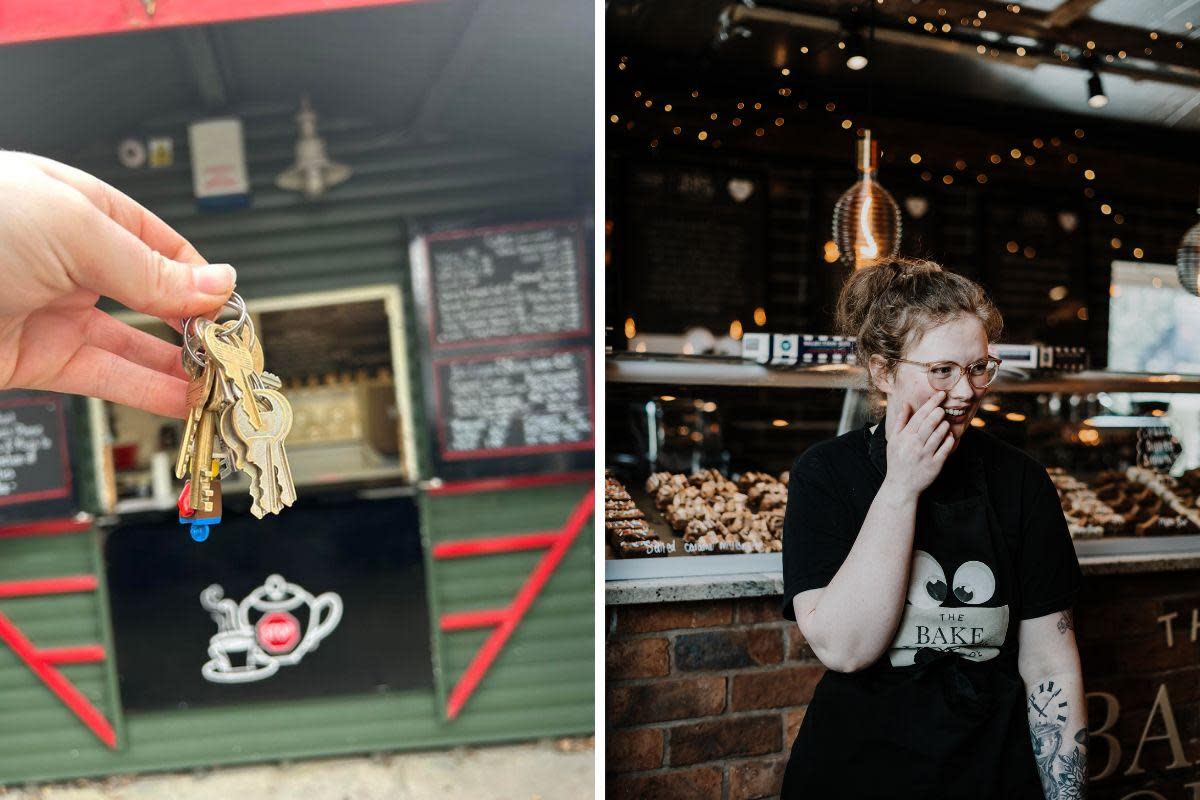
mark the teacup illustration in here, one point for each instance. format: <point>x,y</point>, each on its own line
<point>237,658</point>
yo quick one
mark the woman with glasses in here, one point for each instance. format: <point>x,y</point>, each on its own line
<point>929,567</point>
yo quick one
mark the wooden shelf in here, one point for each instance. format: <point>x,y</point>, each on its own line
<point>718,371</point>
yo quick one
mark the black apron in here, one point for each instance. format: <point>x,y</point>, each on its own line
<point>942,713</point>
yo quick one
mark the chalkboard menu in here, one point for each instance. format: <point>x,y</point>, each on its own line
<point>1158,448</point>
<point>528,403</point>
<point>695,246</point>
<point>35,461</point>
<point>508,381</point>
<point>506,284</point>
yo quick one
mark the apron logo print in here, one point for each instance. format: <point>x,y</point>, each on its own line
<point>969,630</point>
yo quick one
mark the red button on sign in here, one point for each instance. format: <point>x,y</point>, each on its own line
<point>277,632</point>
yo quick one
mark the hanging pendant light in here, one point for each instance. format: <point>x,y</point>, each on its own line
<point>866,220</point>
<point>313,172</point>
<point>1187,261</point>
<point>1095,90</point>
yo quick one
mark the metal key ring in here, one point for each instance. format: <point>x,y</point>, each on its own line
<point>234,303</point>
<point>193,332</point>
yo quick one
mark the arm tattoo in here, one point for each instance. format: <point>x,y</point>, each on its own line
<point>1063,774</point>
<point>1066,621</point>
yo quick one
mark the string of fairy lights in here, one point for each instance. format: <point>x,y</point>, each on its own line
<point>931,18</point>
<point>673,118</point>
<point>762,119</point>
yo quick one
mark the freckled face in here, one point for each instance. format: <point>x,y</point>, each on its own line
<point>961,339</point>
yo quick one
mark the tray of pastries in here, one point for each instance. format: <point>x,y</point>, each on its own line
<point>1131,502</point>
<point>1088,517</point>
<point>714,514</point>
<point>628,533</point>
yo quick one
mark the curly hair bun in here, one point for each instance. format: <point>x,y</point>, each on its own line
<point>889,305</point>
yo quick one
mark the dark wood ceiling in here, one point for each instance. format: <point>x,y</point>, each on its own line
<point>1147,51</point>
<point>517,71</point>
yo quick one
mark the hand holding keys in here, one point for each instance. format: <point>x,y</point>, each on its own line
<point>237,419</point>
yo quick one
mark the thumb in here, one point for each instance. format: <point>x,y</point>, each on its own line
<point>119,265</point>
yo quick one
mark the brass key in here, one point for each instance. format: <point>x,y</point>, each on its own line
<point>237,364</point>
<point>198,392</point>
<point>202,449</point>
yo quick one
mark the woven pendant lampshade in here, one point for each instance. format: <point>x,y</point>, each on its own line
<point>866,220</point>
<point>1187,261</point>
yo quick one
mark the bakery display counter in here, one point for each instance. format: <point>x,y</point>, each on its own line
<point>700,446</point>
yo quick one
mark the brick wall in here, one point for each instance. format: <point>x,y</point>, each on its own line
<point>703,698</point>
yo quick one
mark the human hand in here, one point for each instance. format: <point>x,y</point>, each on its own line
<point>918,443</point>
<point>66,238</point>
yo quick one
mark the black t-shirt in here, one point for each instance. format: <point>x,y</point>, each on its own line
<point>833,484</point>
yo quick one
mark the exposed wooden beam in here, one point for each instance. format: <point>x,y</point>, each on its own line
<point>1066,14</point>
<point>1106,37</point>
<point>1185,70</point>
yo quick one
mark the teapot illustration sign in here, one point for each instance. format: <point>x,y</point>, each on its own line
<point>264,631</point>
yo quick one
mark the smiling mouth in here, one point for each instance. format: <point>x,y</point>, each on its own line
<point>955,413</point>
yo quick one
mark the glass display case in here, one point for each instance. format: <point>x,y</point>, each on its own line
<point>699,447</point>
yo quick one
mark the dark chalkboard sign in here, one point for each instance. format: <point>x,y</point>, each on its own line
<point>506,284</point>
<point>507,333</point>
<point>695,245</point>
<point>501,405</point>
<point>34,459</point>
<point>1158,448</point>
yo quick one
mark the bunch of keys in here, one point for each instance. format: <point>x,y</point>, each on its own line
<point>237,419</point>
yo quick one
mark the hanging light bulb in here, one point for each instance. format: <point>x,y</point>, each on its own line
<point>856,53</point>
<point>866,220</point>
<point>313,172</point>
<point>1096,96</point>
<point>1187,261</point>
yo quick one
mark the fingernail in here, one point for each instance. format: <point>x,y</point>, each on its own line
<point>215,278</point>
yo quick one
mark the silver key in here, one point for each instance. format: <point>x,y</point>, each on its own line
<point>272,488</point>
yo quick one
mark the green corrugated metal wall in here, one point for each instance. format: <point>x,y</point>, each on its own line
<point>32,720</point>
<point>542,682</point>
<point>548,662</point>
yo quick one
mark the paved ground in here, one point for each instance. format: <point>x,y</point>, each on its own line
<point>538,771</point>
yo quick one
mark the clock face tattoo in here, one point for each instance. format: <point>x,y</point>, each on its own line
<point>1047,703</point>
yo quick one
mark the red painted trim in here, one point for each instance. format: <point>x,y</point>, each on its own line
<point>49,527</point>
<point>40,586</point>
<point>66,691</point>
<point>501,484</point>
<point>84,654</point>
<point>466,620</point>
<point>491,647</point>
<point>576,227</point>
<point>458,455</point>
<point>29,21</point>
<point>496,544</point>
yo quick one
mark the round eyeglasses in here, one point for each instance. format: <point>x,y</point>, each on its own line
<point>944,375</point>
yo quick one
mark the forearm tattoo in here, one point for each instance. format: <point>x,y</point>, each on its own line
<point>1062,766</point>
